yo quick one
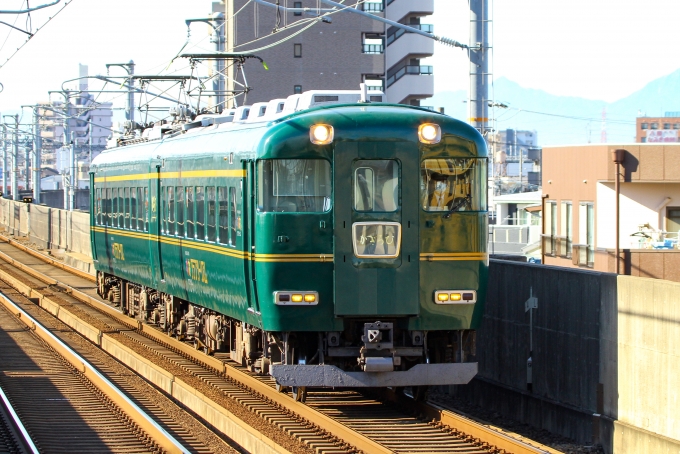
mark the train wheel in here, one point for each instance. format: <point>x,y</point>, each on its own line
<point>420,393</point>
<point>299,393</point>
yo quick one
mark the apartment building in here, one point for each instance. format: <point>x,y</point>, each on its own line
<point>332,56</point>
<point>89,120</point>
<point>579,209</point>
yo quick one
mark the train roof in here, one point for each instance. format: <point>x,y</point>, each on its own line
<point>235,132</point>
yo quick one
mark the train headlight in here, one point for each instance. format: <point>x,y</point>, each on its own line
<point>429,133</point>
<point>321,134</point>
<point>455,297</point>
<point>296,298</point>
<point>310,298</point>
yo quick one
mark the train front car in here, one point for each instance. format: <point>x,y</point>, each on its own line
<point>371,260</point>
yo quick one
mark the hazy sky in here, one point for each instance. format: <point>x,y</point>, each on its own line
<point>598,49</point>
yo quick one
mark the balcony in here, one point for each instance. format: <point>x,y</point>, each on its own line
<point>373,49</point>
<point>411,82</point>
<point>409,46</point>
<point>583,255</point>
<point>409,70</point>
<point>395,33</point>
<point>396,10</point>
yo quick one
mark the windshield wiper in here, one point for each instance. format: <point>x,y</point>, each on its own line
<point>467,200</point>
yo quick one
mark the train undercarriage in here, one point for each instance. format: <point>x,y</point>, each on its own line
<point>366,353</point>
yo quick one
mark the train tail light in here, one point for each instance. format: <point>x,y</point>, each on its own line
<point>455,296</point>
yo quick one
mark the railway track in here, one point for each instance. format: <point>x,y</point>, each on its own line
<point>61,400</point>
<point>329,422</point>
<point>14,439</point>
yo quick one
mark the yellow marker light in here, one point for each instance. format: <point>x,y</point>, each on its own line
<point>455,297</point>
<point>297,298</point>
<point>321,134</point>
<point>443,297</point>
<point>429,133</point>
<point>310,298</point>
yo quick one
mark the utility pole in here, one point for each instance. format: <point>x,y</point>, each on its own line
<point>479,65</point>
<point>130,69</point>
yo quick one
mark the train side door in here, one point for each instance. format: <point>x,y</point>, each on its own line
<point>248,228</point>
<point>376,249</point>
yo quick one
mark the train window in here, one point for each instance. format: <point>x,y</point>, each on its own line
<point>210,221</point>
<point>107,207</point>
<point>126,208</point>
<point>146,209</point>
<point>223,204</point>
<point>98,206</point>
<point>189,215</point>
<point>294,185</point>
<point>140,209</point>
<point>376,185</point>
<point>200,213</point>
<point>179,202</point>
<point>133,208</point>
<point>453,184</point>
<point>114,207</point>
<point>170,210</point>
<point>232,216</point>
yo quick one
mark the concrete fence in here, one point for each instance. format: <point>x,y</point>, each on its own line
<point>605,365</point>
<point>65,232</point>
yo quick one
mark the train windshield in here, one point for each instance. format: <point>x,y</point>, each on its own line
<point>294,185</point>
<point>453,184</point>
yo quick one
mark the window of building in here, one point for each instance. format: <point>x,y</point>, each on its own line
<point>297,89</point>
<point>644,139</point>
<point>297,50</point>
<point>655,125</point>
<point>644,125</point>
<point>297,5</point>
<point>673,219</point>
<point>666,126</point>
<point>586,235</point>
<point>565,230</point>
<point>550,228</point>
<point>676,125</point>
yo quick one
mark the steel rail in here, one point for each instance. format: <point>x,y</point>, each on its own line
<point>141,418</point>
<point>445,417</point>
<point>18,425</point>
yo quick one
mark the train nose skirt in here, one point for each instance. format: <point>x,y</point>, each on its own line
<point>327,376</point>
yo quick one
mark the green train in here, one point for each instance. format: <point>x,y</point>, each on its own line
<point>324,239</point>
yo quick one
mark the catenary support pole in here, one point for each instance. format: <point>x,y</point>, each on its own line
<point>15,160</point>
<point>479,65</point>
<point>218,81</point>
<point>37,157</point>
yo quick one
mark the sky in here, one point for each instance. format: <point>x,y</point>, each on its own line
<point>596,49</point>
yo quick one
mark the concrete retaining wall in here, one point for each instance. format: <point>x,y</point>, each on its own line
<point>605,363</point>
